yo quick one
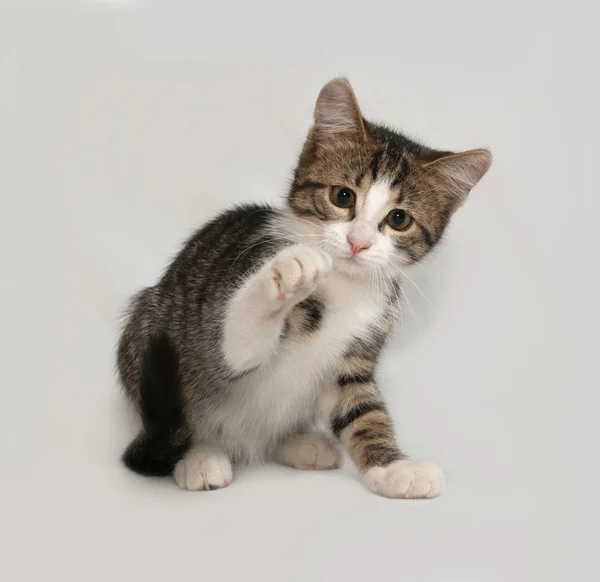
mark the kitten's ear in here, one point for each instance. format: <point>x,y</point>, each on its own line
<point>459,173</point>
<point>337,113</point>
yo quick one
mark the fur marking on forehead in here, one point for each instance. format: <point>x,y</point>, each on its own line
<point>376,201</point>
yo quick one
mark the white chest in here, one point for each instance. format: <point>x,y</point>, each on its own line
<point>306,360</point>
<point>282,394</point>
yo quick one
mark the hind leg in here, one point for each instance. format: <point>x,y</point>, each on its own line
<point>311,450</point>
<point>204,467</point>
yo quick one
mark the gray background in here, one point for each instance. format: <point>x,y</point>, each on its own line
<point>125,125</point>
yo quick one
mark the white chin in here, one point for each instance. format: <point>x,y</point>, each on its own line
<point>351,266</point>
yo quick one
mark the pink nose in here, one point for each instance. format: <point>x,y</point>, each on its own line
<point>357,245</point>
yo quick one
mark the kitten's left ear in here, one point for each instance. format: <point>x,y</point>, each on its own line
<point>461,172</point>
<point>337,113</point>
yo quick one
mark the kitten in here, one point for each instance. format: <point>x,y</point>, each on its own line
<point>262,337</point>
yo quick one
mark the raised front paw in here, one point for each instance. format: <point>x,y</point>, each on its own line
<point>295,273</point>
<point>406,479</point>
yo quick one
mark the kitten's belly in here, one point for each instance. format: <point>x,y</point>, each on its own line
<point>281,397</point>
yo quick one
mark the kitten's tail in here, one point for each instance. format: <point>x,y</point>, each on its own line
<point>165,436</point>
<point>153,455</point>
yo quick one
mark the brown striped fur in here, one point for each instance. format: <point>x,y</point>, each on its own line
<point>360,419</point>
<point>270,321</point>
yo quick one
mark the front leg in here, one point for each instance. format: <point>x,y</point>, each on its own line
<point>256,315</point>
<point>361,421</point>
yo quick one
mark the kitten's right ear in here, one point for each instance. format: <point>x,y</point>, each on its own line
<point>337,113</point>
<point>459,173</point>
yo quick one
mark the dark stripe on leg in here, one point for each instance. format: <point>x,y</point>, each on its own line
<point>341,422</point>
<point>380,455</point>
<point>374,432</point>
<point>363,378</point>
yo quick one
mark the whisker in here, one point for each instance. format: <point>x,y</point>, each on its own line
<point>411,309</point>
<point>416,287</point>
<point>271,241</point>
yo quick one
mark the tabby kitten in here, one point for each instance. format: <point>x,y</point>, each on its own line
<point>262,337</point>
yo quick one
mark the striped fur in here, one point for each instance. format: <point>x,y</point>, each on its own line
<point>270,321</point>
<point>360,419</point>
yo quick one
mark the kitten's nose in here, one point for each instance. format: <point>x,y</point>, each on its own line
<point>357,244</point>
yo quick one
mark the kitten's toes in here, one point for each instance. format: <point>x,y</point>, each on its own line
<point>406,479</point>
<point>296,271</point>
<point>309,451</point>
<point>204,467</point>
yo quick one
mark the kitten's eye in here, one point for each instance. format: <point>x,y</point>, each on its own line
<point>343,197</point>
<point>399,220</point>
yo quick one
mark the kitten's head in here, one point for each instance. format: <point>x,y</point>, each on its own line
<point>370,196</point>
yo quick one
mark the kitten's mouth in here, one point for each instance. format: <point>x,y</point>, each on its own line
<point>353,261</point>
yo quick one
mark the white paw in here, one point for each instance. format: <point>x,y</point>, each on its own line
<point>309,451</point>
<point>295,272</point>
<point>204,467</point>
<point>406,479</point>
